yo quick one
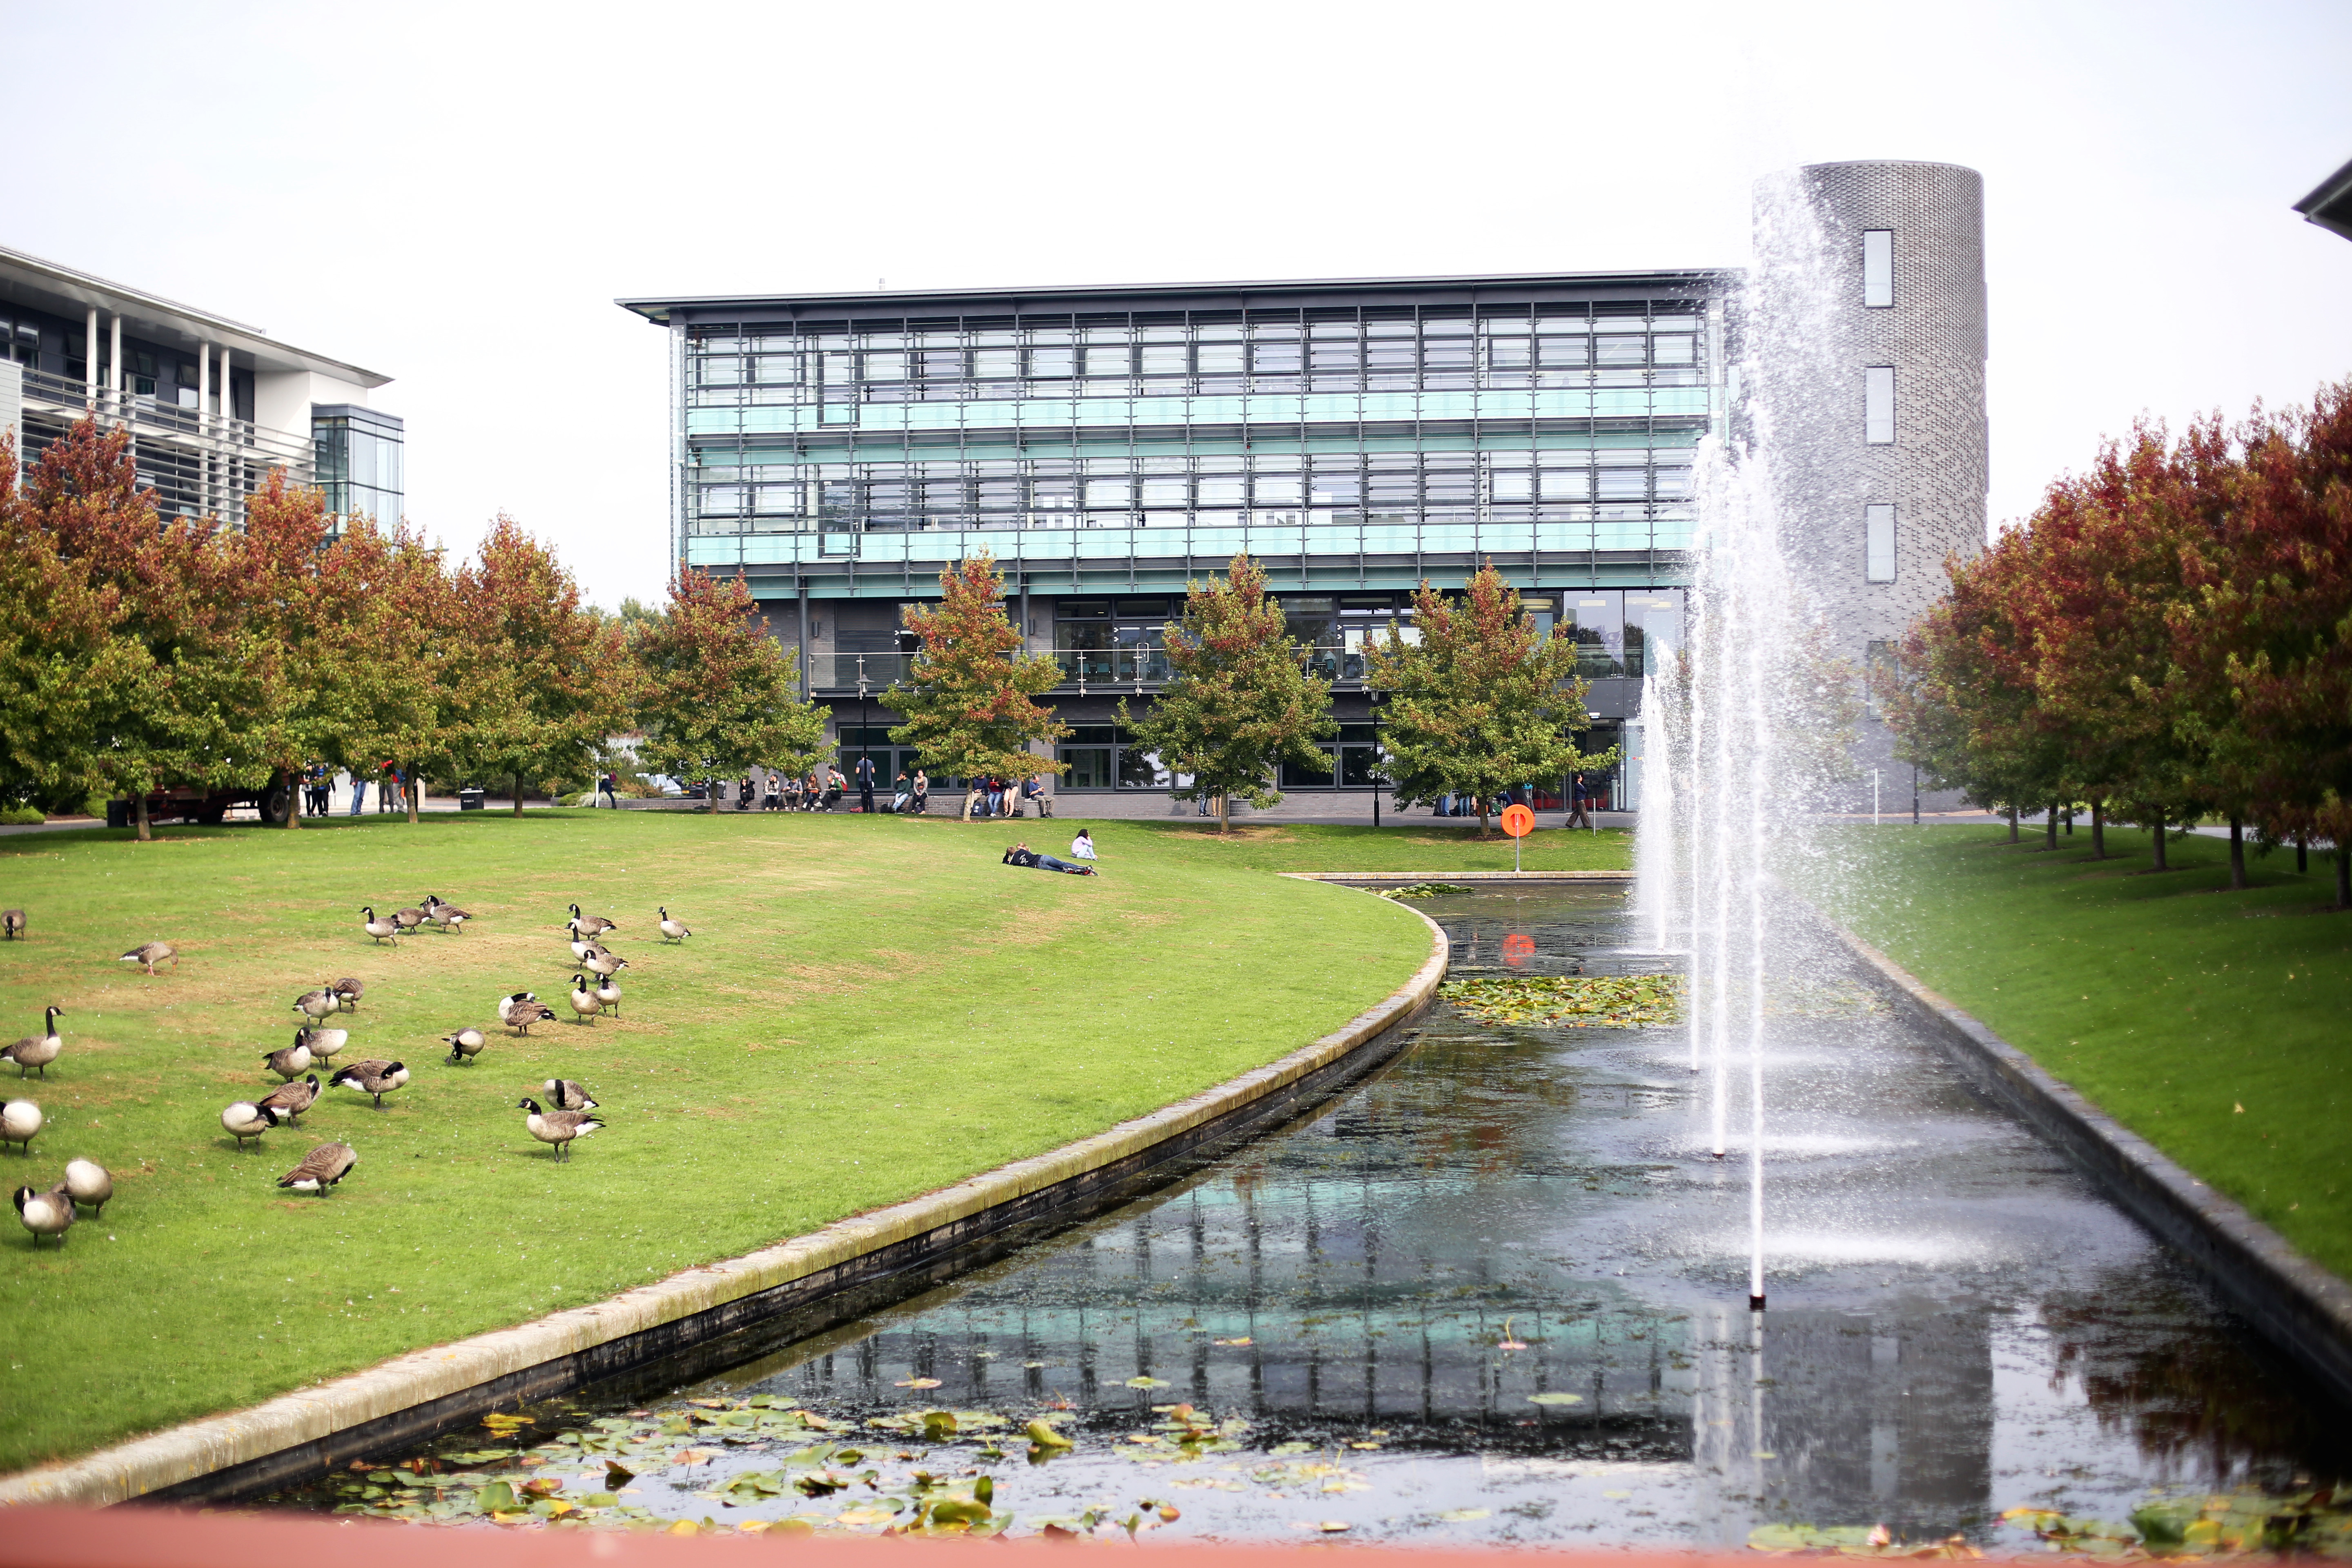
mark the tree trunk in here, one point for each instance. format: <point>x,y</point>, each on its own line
<point>1484,831</point>
<point>711,805</point>
<point>147,836</point>
<point>2343,877</point>
<point>517,786</point>
<point>2159,845</point>
<point>2098,830</point>
<point>2013,824</point>
<point>1225,813</point>
<point>2302,854</point>
<point>415,790</point>
<point>2237,855</point>
<point>288,778</point>
<point>2049,830</point>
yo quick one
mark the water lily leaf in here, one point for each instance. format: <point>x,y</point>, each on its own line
<point>1044,1437</point>
<point>496,1498</point>
<point>617,1476</point>
<point>1464,1515</point>
<point>918,1382</point>
<point>1555,1399</point>
<point>1148,1383</point>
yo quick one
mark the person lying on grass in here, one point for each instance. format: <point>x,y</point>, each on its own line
<point>1022,855</point>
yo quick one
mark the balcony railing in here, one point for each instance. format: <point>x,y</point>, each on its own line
<point>155,415</point>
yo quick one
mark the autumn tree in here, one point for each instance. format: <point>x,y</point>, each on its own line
<point>1477,699</point>
<point>717,693</point>
<point>293,621</point>
<point>969,700</point>
<point>406,673</point>
<point>1240,701</point>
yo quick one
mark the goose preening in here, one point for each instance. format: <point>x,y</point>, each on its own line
<point>88,1182</point>
<point>448,916</point>
<point>37,1050</point>
<point>567,1094</point>
<point>12,923</point>
<point>19,1120</point>
<point>583,1000</point>
<point>408,918</point>
<point>591,925</point>
<point>557,1127</point>
<point>520,1015</point>
<point>45,1213</point>
<point>604,964</point>
<point>376,1078</point>
<point>323,1043</point>
<point>318,1003</point>
<point>463,1044</point>
<point>512,1000</point>
<point>382,930</point>
<point>608,994</point>
<point>673,930</point>
<point>148,954</point>
<point>320,1169</point>
<point>245,1119</point>
<point>348,992</point>
<point>583,945</point>
<point>292,1062</point>
<point>292,1100</point>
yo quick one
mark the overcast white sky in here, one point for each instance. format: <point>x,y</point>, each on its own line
<point>454,195</point>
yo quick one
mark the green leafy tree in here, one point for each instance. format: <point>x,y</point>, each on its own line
<point>969,700</point>
<point>400,644</point>
<point>716,694</point>
<point>1478,700</point>
<point>1240,701</point>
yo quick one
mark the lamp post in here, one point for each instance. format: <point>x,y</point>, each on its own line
<point>1372,703</point>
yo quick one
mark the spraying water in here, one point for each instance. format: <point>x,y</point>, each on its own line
<point>1656,829</point>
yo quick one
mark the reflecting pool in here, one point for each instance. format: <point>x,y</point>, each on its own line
<point>1497,1292</point>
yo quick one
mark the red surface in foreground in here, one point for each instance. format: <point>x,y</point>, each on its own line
<point>172,1538</point>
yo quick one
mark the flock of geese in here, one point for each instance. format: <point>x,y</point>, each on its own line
<point>568,1117</point>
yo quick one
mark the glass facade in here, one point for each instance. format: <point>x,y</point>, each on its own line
<point>359,460</point>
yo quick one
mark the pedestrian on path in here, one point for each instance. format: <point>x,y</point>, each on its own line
<point>866,784</point>
<point>1578,795</point>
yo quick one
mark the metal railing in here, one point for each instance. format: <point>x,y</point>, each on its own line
<point>1133,667</point>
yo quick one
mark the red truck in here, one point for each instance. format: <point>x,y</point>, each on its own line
<point>190,802</point>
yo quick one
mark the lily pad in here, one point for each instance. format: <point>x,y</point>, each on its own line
<point>1555,1399</point>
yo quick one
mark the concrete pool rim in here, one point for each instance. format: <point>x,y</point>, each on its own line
<point>420,1393</point>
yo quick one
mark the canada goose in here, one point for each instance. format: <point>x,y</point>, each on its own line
<point>408,918</point>
<point>323,1043</point>
<point>463,1044</point>
<point>521,1015</point>
<point>289,1101</point>
<point>567,1094</point>
<point>582,946</point>
<point>448,916</point>
<point>318,1003</point>
<point>512,1000</point>
<point>45,1213</point>
<point>376,1078</point>
<point>348,992</point>
<point>673,930</point>
<point>382,930</point>
<point>19,1119</point>
<point>88,1182</point>
<point>37,1050</point>
<point>608,993</point>
<point>320,1169</point>
<point>292,1062</point>
<point>583,1000</point>
<point>245,1119</point>
<point>557,1127</point>
<point>12,923</point>
<point>591,925</point>
<point>604,964</point>
<point>148,954</point>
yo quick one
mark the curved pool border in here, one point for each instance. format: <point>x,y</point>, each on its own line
<point>416,1395</point>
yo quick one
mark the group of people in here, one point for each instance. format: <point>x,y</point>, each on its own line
<point>1080,864</point>
<point>1580,798</point>
<point>1001,797</point>
<point>318,786</point>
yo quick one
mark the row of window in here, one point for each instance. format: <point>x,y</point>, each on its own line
<point>1548,321</point>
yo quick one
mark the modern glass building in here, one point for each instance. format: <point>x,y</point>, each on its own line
<point>359,460</point>
<point>1107,445</point>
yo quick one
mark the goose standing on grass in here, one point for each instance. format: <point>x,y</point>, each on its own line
<point>320,1169</point>
<point>408,918</point>
<point>382,930</point>
<point>289,1101</point>
<point>515,999</point>
<point>292,1062</point>
<point>448,916</point>
<point>673,930</point>
<point>583,1000</point>
<point>520,1015</point>
<point>591,925</point>
<point>323,1043</point>
<point>608,993</point>
<point>463,1044</point>
<point>12,923</point>
<point>19,1120</point>
<point>245,1119</point>
<point>148,954</point>
<point>557,1127</point>
<point>88,1182</point>
<point>584,946</point>
<point>567,1094</point>
<point>320,1004</point>
<point>37,1050</point>
<point>605,964</point>
<point>348,992</point>
<point>45,1213</point>
<point>376,1078</point>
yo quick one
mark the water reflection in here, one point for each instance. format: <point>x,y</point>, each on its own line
<point>1500,1290</point>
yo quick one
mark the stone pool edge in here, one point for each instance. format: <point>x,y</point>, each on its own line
<point>469,1372</point>
<point>2303,1310</point>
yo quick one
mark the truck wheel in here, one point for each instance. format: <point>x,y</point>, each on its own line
<point>277,804</point>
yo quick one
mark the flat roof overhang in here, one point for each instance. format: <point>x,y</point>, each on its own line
<point>2330,207</point>
<point>60,290</point>
<point>1299,293</point>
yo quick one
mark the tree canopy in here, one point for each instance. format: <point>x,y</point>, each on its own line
<point>969,704</point>
<point>718,694</point>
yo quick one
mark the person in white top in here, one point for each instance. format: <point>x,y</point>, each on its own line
<point>1082,847</point>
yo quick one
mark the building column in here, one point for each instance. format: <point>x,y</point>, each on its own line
<point>89,363</point>
<point>205,504</point>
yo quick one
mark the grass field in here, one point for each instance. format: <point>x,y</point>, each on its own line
<point>869,1008</point>
<point>2213,1024</point>
<point>1413,846</point>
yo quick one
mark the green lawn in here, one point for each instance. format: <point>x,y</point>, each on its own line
<point>869,1008</point>
<point>1330,846</point>
<point>2216,1025</point>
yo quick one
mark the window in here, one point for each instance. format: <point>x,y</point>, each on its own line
<point>1878,543</point>
<point>1877,266</point>
<point>1878,405</point>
